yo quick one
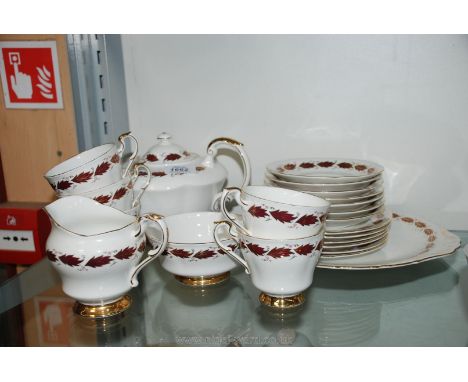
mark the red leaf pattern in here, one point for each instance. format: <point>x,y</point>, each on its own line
<point>279,252</point>
<point>320,245</point>
<point>290,166</point>
<point>207,253</point>
<point>103,199</point>
<point>200,168</point>
<point>360,167</point>
<point>99,261</point>
<point>307,220</point>
<point>125,253</point>
<point>326,164</point>
<point>70,260</point>
<point>63,185</point>
<point>307,165</point>
<point>232,246</point>
<point>257,211</point>
<point>83,177</point>
<point>152,158</point>
<point>102,168</point>
<point>115,158</point>
<point>345,165</point>
<point>282,216</point>
<point>51,256</point>
<point>181,253</point>
<point>142,246</point>
<point>158,173</point>
<point>120,193</point>
<point>255,249</point>
<point>305,249</point>
<point>172,157</point>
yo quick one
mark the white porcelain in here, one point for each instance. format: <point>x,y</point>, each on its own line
<point>324,170</point>
<point>327,187</point>
<point>135,211</point>
<point>191,249</point>
<point>189,183</point>
<point>120,194</point>
<point>94,168</point>
<point>97,249</point>
<point>410,241</point>
<point>275,212</point>
<point>279,268</point>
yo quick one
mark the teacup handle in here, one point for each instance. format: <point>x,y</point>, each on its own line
<point>237,147</point>
<point>136,174</point>
<point>236,193</point>
<point>228,251</point>
<point>157,220</point>
<point>121,149</point>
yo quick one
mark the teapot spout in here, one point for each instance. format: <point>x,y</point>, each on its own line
<point>86,217</point>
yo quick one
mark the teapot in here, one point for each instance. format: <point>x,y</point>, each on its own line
<point>97,250</point>
<point>183,181</point>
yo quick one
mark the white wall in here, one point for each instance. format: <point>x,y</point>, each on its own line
<point>401,101</point>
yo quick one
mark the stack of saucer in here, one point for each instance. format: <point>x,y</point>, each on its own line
<point>356,223</point>
<point>99,174</point>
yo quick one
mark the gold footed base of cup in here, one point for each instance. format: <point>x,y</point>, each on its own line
<point>203,281</point>
<point>103,311</point>
<point>282,302</point>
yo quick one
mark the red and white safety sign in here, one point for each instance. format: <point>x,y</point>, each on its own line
<point>30,75</point>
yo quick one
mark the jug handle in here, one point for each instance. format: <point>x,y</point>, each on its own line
<point>121,149</point>
<point>228,251</point>
<point>235,146</point>
<point>152,253</point>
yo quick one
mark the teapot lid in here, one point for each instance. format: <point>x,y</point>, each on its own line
<point>167,152</point>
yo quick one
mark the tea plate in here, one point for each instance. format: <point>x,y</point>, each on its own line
<point>324,170</point>
<point>368,210</point>
<point>363,184</point>
<point>335,242</point>
<point>361,252</point>
<point>351,238</point>
<point>357,226</point>
<point>410,241</point>
<point>354,249</point>
<point>349,207</point>
<point>354,199</point>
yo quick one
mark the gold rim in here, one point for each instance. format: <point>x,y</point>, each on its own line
<point>103,311</point>
<point>282,302</point>
<point>202,281</point>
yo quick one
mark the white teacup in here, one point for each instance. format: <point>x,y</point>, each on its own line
<point>91,169</point>
<point>273,212</point>
<point>120,194</point>
<point>192,255</point>
<point>281,269</point>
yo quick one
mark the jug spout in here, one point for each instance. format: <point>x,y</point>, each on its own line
<point>86,217</point>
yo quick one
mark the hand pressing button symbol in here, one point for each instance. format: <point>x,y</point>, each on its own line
<point>20,82</point>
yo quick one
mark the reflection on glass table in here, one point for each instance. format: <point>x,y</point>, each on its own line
<point>419,305</point>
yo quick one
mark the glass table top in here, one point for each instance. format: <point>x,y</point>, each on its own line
<point>418,305</point>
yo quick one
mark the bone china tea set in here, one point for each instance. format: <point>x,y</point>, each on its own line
<point>111,219</point>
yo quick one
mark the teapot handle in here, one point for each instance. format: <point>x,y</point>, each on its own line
<point>237,147</point>
<point>152,219</point>
<point>121,150</point>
